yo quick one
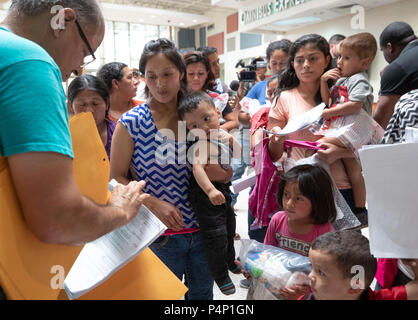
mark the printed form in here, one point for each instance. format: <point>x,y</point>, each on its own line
<point>101,258</point>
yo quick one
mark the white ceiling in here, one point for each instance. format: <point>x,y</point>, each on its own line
<point>189,13</point>
<point>136,14</point>
<point>199,7</point>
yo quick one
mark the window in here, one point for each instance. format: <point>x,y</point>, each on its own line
<point>249,40</point>
<point>124,42</point>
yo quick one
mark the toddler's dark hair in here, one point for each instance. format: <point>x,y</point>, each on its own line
<point>350,248</point>
<point>315,184</point>
<point>191,102</point>
<point>274,76</point>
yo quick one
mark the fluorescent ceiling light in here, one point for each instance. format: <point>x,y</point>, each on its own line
<point>293,21</point>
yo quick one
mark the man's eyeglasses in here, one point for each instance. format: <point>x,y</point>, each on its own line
<point>89,59</point>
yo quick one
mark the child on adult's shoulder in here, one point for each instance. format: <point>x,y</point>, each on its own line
<point>305,193</point>
<point>351,93</point>
<point>211,199</point>
<point>343,269</point>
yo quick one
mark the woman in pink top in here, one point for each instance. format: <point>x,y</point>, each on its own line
<point>306,196</point>
<point>299,91</point>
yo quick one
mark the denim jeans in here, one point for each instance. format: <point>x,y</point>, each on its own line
<point>348,197</point>
<point>184,254</point>
<point>256,234</point>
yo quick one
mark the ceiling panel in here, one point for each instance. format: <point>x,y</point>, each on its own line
<point>190,6</point>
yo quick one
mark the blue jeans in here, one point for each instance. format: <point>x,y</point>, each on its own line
<point>184,254</point>
<point>348,197</point>
<point>256,234</point>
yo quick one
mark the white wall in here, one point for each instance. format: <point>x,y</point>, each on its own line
<point>3,14</point>
<point>376,20</point>
<point>229,59</point>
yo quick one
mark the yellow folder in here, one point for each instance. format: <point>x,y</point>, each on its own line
<point>28,267</point>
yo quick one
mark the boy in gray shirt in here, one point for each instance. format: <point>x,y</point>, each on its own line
<point>351,93</point>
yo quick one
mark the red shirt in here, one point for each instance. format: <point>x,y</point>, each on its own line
<point>396,293</point>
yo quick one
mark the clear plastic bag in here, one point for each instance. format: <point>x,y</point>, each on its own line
<point>272,269</point>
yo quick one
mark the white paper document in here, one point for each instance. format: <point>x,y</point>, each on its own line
<point>411,134</point>
<point>302,121</point>
<point>391,177</point>
<point>101,258</point>
<point>244,183</point>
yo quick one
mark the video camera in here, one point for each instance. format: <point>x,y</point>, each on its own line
<point>248,75</point>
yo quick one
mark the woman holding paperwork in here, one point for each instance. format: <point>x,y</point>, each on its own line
<point>148,138</point>
<point>299,92</point>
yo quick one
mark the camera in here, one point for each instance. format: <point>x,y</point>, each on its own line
<point>248,75</point>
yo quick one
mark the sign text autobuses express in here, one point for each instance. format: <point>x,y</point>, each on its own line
<point>268,9</point>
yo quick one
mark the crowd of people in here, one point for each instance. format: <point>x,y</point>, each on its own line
<point>224,130</point>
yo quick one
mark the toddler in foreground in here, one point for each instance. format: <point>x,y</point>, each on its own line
<point>343,269</point>
<point>209,196</point>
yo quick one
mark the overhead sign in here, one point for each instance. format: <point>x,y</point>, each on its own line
<point>262,11</point>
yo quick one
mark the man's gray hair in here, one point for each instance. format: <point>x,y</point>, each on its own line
<point>88,11</point>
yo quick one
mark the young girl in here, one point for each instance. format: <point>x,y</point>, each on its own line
<point>211,200</point>
<point>306,196</point>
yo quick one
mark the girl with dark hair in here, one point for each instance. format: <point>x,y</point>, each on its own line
<point>88,93</point>
<point>305,193</point>
<point>122,86</point>
<point>148,138</point>
<point>299,92</point>
<point>199,77</point>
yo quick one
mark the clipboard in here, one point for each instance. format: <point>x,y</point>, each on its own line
<point>27,264</point>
